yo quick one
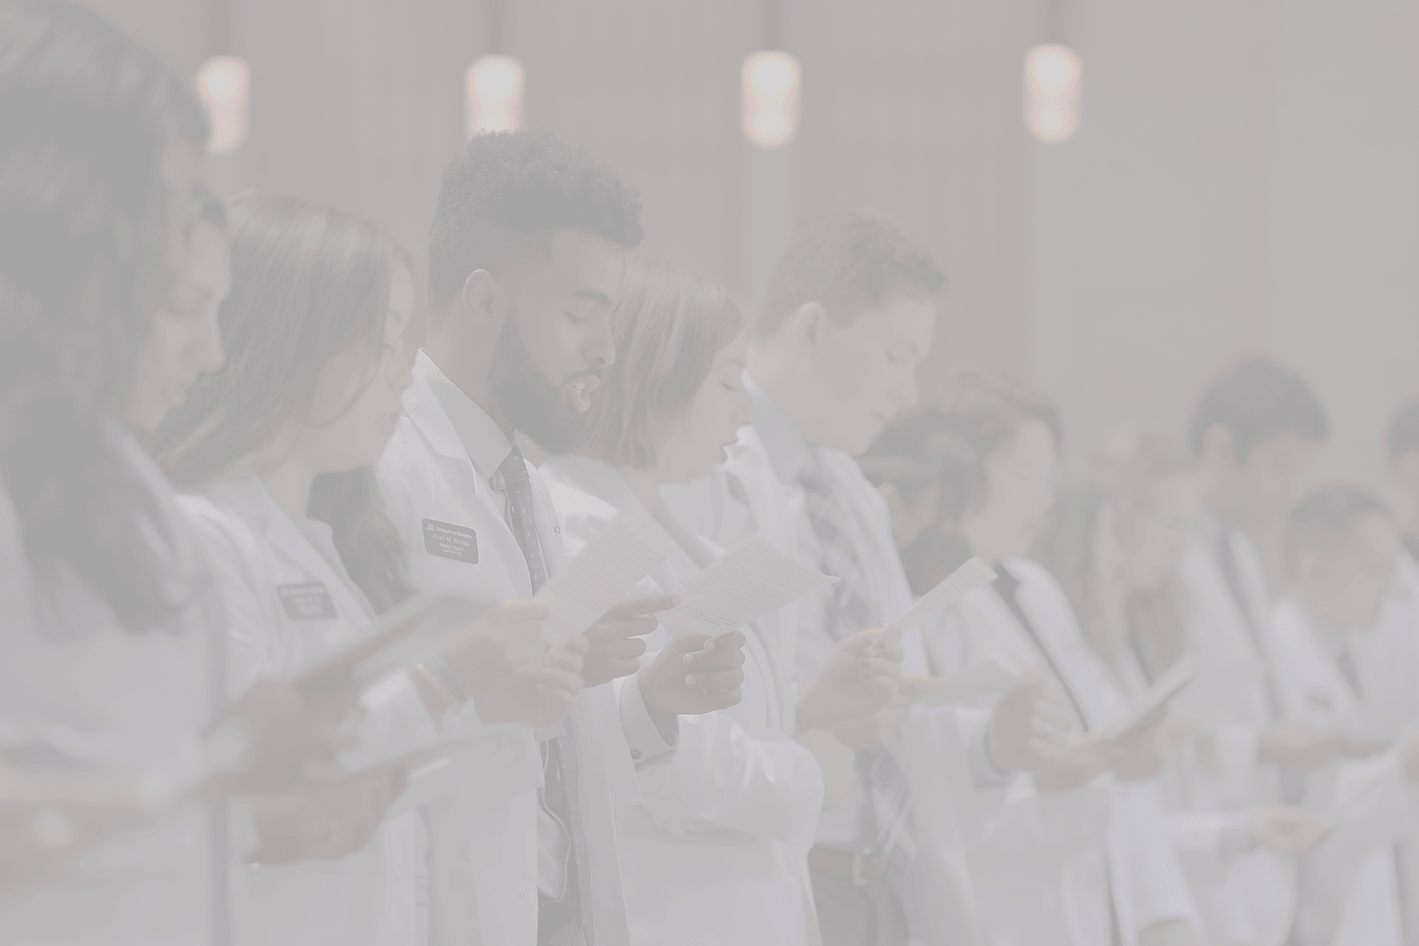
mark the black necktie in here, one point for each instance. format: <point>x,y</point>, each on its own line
<point>1006,586</point>
<point>1237,588</point>
<point>559,768</point>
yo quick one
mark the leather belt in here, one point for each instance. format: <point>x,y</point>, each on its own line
<point>859,868</point>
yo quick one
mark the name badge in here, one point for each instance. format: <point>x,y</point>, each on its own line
<point>306,601</point>
<point>447,540</point>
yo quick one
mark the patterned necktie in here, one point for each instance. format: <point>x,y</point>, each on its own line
<point>559,764</point>
<point>854,609</point>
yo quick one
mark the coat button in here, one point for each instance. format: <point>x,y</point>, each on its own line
<point>527,891</point>
<point>635,753</point>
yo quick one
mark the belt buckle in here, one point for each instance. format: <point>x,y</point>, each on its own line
<point>858,859</point>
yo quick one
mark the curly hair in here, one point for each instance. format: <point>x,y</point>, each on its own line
<point>507,192</point>
<point>850,265</point>
<point>85,258</point>
<point>668,329</point>
<point>308,282</point>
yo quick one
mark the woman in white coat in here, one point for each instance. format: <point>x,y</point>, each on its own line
<point>1114,559</point>
<point>280,444</point>
<point>715,853</point>
<point>108,291</point>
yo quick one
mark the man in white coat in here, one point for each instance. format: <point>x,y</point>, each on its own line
<point>527,257</point>
<point>1073,853</point>
<point>1348,670</point>
<point>1253,433</point>
<point>848,313</point>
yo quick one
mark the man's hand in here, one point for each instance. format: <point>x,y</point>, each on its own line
<point>1300,747</point>
<point>694,674</point>
<point>542,697</point>
<point>1083,759</point>
<point>1029,725</point>
<point>837,761</point>
<point>858,678</point>
<point>1288,830</point>
<point>273,734</point>
<point>870,731</point>
<point>615,640</point>
<point>505,641</point>
<point>323,819</point>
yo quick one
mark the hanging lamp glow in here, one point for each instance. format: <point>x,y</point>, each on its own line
<point>224,85</point>
<point>493,94</point>
<point>770,82</point>
<point>1053,76</point>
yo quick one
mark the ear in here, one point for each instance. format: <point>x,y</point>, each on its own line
<point>810,322</point>
<point>1219,445</point>
<point>481,299</point>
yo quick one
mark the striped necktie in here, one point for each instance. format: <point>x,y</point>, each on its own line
<point>559,762</point>
<point>854,609</point>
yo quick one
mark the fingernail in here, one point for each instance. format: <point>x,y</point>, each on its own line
<point>690,680</point>
<point>688,659</point>
<point>709,644</point>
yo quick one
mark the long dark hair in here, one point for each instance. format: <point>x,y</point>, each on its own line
<point>308,281</point>
<point>85,246</point>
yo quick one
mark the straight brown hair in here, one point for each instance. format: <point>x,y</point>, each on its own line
<point>667,330</point>
<point>308,281</point>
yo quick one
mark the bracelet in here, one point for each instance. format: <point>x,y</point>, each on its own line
<point>435,663</point>
<point>436,683</point>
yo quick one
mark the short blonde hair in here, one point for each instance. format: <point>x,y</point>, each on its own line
<point>667,329</point>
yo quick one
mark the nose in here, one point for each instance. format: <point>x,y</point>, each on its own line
<point>745,413</point>
<point>210,354</point>
<point>601,346</point>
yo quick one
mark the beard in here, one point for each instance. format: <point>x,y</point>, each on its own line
<point>528,399</point>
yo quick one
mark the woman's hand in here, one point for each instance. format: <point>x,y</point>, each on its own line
<point>323,818</point>
<point>858,678</point>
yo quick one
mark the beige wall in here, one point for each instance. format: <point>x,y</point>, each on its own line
<point>1244,179</point>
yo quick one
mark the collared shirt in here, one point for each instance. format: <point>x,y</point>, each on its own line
<point>847,826</point>
<point>488,447</point>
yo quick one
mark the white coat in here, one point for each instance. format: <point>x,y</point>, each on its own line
<point>257,552</point>
<point>484,840</point>
<point>1068,865</point>
<point>1246,892</point>
<point>937,746</point>
<point>116,703</point>
<point>1349,892</point>
<point>716,852</point>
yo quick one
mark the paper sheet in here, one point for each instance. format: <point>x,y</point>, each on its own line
<point>603,574</point>
<point>1148,709</point>
<point>401,632</point>
<point>1218,688</point>
<point>1378,722</point>
<point>955,586</point>
<point>982,680</point>
<point>740,587</point>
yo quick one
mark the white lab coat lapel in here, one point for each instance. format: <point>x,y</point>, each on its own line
<point>1216,624</point>
<point>426,473</point>
<point>1349,891</point>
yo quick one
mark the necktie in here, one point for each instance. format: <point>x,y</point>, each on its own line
<point>1006,586</point>
<point>1237,588</point>
<point>559,766</point>
<point>1345,661</point>
<point>854,609</point>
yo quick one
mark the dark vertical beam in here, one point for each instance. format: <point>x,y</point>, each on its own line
<point>771,24</point>
<point>495,27</point>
